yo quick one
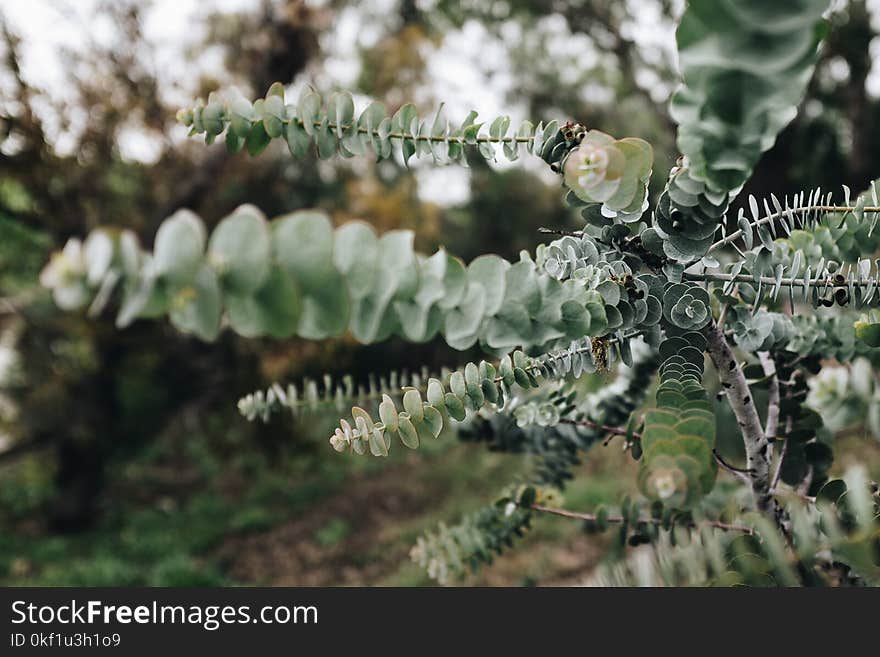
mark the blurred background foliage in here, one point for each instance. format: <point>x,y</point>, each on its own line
<point>122,458</point>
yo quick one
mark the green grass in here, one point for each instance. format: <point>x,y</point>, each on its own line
<point>334,506</point>
<point>168,540</point>
<point>165,540</point>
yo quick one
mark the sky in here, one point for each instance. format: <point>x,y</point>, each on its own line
<point>46,26</point>
<point>458,67</point>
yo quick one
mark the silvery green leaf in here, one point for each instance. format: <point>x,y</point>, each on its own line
<point>309,110</point>
<point>240,250</point>
<point>179,247</point>
<point>196,306</point>
<point>341,114</point>
<point>298,140</point>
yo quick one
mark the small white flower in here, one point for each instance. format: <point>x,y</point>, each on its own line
<point>65,266</point>
<point>65,275</point>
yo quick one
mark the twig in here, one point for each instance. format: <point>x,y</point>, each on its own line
<point>804,486</point>
<point>617,431</point>
<point>727,466</point>
<point>554,231</point>
<point>777,473</point>
<point>591,517</point>
<point>770,280</point>
<point>772,426</point>
<point>739,473</point>
<point>444,138</point>
<point>723,314</point>
<point>774,482</point>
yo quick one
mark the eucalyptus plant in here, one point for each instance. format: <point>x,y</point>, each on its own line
<point>772,292</point>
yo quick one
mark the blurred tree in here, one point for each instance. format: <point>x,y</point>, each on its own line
<point>832,140</point>
<point>89,393</point>
<point>274,42</point>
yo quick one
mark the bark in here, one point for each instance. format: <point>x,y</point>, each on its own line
<point>771,428</point>
<point>740,399</point>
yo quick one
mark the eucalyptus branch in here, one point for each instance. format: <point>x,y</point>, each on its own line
<point>804,486</point>
<point>554,231</point>
<point>739,473</point>
<point>772,425</point>
<point>413,136</point>
<point>740,399</point>
<point>591,517</point>
<point>312,397</point>
<point>769,280</point>
<point>777,473</point>
<point>617,431</point>
<point>775,216</point>
<point>333,126</point>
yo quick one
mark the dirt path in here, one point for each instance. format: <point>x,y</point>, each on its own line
<point>380,517</point>
<point>371,514</point>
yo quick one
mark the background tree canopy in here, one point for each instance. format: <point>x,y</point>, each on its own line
<point>122,460</point>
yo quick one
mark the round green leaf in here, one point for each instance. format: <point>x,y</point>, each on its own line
<point>179,247</point>
<point>240,250</point>
<point>273,310</point>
